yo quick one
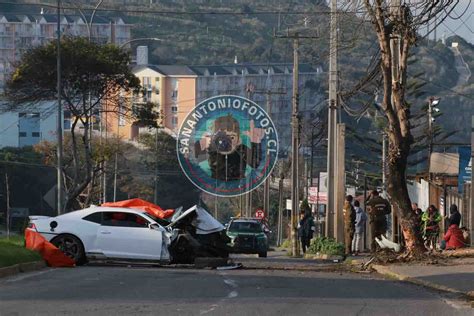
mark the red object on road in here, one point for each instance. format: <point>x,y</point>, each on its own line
<point>50,253</point>
<point>259,213</point>
<point>140,204</point>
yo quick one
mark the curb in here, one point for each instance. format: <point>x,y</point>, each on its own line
<point>22,268</point>
<point>384,270</point>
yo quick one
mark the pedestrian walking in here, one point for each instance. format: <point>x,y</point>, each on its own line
<point>306,230</point>
<point>349,223</point>
<point>378,209</point>
<point>431,219</point>
<point>361,219</point>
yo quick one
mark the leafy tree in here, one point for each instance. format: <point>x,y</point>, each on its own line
<point>90,74</point>
<point>172,188</point>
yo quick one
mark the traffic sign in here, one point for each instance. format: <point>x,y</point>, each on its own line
<point>312,195</point>
<point>259,213</point>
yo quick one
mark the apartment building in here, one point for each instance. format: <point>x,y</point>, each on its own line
<point>177,89</point>
<point>19,33</point>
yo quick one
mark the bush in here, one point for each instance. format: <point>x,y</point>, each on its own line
<point>286,243</point>
<point>326,246</point>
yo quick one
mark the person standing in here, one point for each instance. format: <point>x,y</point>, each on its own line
<point>349,223</point>
<point>378,209</point>
<point>431,219</point>
<point>454,216</point>
<point>361,219</point>
<point>418,213</point>
<point>306,229</point>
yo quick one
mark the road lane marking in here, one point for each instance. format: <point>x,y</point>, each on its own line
<point>230,282</point>
<point>213,307</point>
<point>27,275</point>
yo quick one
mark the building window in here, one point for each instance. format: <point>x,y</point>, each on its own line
<point>157,84</point>
<point>174,94</point>
<point>174,109</point>
<point>174,121</point>
<point>35,134</point>
<point>22,134</point>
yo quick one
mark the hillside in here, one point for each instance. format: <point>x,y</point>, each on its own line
<point>190,38</point>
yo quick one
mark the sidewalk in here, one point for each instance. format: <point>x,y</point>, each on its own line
<point>455,277</point>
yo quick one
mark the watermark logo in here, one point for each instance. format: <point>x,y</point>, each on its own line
<point>227,145</point>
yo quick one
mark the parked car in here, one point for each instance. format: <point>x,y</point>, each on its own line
<point>248,235</point>
<point>114,233</point>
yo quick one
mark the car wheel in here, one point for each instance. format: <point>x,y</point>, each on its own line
<point>71,246</point>
<point>262,254</point>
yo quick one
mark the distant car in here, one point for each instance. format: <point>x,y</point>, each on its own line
<point>115,233</point>
<point>248,235</point>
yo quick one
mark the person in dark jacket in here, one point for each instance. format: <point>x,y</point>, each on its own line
<point>378,209</point>
<point>349,223</point>
<point>306,229</point>
<point>418,213</point>
<point>454,215</point>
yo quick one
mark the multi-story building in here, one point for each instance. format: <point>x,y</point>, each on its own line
<point>19,33</point>
<point>177,89</point>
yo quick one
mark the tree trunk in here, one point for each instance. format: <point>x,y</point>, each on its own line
<point>397,189</point>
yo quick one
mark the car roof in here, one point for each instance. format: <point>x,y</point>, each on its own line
<point>254,220</point>
<point>92,209</point>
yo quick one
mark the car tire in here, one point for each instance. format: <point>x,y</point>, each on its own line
<point>71,246</point>
<point>262,254</point>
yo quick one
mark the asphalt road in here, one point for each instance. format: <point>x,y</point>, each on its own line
<point>113,290</point>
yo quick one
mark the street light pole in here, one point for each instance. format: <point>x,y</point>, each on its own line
<point>59,127</point>
<point>432,102</point>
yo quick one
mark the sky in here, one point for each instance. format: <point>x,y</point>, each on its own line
<point>464,26</point>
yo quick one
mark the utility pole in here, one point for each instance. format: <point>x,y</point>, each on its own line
<point>295,150</point>
<point>280,212</point>
<point>384,165</point>
<point>155,190</point>
<point>332,121</point>
<point>7,186</point>
<point>295,143</point>
<point>59,127</point>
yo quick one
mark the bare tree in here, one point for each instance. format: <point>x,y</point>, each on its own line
<point>396,26</point>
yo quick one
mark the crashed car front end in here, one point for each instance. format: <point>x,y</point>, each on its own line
<point>195,233</point>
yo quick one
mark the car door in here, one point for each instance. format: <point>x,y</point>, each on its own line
<point>128,235</point>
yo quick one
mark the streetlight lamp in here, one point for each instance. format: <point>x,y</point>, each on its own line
<point>432,103</point>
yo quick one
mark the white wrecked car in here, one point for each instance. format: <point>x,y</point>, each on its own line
<point>113,233</point>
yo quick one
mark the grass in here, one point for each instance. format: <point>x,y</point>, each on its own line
<point>12,251</point>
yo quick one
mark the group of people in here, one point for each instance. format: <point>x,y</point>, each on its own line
<point>428,224</point>
<point>355,219</point>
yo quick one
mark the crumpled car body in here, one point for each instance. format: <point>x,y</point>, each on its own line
<point>115,233</point>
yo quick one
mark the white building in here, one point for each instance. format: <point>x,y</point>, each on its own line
<point>27,127</point>
<point>18,33</point>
